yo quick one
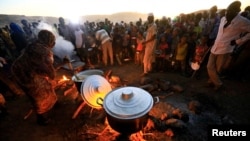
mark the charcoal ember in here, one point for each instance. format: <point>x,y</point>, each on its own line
<point>115,81</point>
<point>150,125</point>
<point>146,80</point>
<point>136,136</point>
<point>164,116</point>
<point>169,132</point>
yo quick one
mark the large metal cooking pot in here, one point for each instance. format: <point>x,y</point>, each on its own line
<point>81,76</point>
<point>127,108</point>
<point>94,87</point>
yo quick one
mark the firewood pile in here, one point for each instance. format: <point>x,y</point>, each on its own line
<point>151,85</point>
<point>165,122</point>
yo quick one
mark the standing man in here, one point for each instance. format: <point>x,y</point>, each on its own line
<point>107,51</point>
<point>231,26</point>
<point>80,43</point>
<point>150,45</point>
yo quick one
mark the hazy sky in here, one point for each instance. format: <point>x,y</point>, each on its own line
<point>75,8</point>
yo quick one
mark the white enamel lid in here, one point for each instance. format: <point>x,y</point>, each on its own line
<point>128,102</point>
<point>93,87</point>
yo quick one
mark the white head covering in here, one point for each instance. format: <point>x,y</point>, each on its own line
<point>150,14</point>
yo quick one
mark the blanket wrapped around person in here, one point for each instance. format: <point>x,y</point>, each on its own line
<point>34,71</point>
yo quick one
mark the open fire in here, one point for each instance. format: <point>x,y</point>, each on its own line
<point>109,134</point>
<point>165,121</point>
<point>94,129</point>
<point>103,132</point>
<point>63,80</point>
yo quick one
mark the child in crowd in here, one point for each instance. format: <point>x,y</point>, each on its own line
<point>139,49</point>
<point>162,49</point>
<point>201,51</point>
<point>181,53</point>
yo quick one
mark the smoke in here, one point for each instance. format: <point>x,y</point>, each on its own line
<point>62,47</point>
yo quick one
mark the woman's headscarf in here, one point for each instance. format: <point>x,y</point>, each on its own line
<point>46,37</point>
<point>16,28</point>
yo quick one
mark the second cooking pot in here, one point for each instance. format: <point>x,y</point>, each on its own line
<point>81,76</point>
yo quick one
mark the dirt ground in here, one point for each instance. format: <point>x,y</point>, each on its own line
<point>230,105</point>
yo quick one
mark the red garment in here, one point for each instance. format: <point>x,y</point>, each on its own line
<point>200,51</point>
<point>139,47</point>
<point>163,48</point>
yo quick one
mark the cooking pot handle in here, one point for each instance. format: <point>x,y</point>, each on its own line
<point>156,99</point>
<point>98,101</point>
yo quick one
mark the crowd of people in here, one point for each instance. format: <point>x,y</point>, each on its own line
<point>215,40</point>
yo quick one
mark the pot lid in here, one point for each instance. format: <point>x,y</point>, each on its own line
<point>84,74</point>
<point>128,102</point>
<point>93,87</point>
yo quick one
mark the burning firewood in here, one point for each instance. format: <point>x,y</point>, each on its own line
<point>164,116</point>
<point>61,82</point>
<point>70,90</point>
<point>108,74</point>
<point>137,136</point>
<point>78,110</point>
<point>169,132</point>
<point>150,125</point>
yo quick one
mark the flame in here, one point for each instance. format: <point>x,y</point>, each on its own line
<point>65,78</point>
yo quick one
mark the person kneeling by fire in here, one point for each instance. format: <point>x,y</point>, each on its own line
<point>34,71</point>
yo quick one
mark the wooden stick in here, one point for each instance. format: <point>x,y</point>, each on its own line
<point>28,114</point>
<point>78,110</point>
<point>68,91</point>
